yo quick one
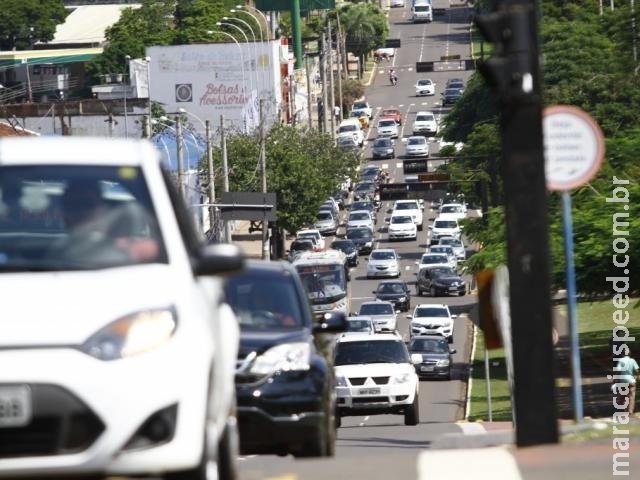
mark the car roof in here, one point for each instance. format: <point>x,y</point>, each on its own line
<point>383,250</point>
<point>378,337</point>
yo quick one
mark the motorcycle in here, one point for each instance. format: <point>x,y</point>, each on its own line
<point>393,79</point>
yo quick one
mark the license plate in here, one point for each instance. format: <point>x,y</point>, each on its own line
<point>453,289</point>
<point>427,369</point>
<point>15,406</point>
<point>369,391</point>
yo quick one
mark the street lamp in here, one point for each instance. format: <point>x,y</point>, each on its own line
<point>233,10</point>
<point>244,82</point>
<point>212,187</point>
<point>246,39</point>
<point>264,17</point>
<point>124,93</point>
<point>148,62</point>
<point>254,64</point>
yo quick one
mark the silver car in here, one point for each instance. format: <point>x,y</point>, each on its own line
<point>326,223</point>
<point>383,262</point>
<point>381,313</point>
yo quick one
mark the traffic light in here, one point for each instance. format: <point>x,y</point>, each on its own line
<point>513,67</point>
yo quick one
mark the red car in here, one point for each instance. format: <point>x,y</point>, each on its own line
<point>392,113</point>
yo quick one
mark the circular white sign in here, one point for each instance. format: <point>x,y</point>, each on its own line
<point>573,147</point>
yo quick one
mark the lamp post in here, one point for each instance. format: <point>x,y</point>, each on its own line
<point>245,8</point>
<point>211,173</point>
<point>233,10</point>
<point>244,82</point>
<point>246,39</point>
<point>254,63</point>
<point>149,128</point>
<point>124,93</point>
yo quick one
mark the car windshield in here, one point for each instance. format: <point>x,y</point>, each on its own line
<point>445,224</point>
<point>359,105</point>
<point>441,272</point>
<point>382,255</point>
<point>76,217</point>
<point>375,351</point>
<point>416,141</point>
<point>391,288</point>
<point>346,246</point>
<point>424,118</point>
<point>264,301</point>
<point>377,308</point>
<point>424,82</point>
<point>359,233</point>
<point>436,258</point>
<point>324,216</point>
<point>359,326</point>
<point>359,205</point>
<point>360,216</point>
<point>399,219</point>
<point>347,128</point>
<point>429,345</point>
<point>386,123</point>
<point>300,245</point>
<point>405,206</point>
<point>443,249</point>
<point>429,311</point>
<point>451,209</point>
<point>382,142</point>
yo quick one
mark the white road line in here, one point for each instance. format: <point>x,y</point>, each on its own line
<point>491,463</point>
<point>364,420</point>
<point>471,428</point>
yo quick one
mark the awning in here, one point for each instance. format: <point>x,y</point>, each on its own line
<point>48,57</point>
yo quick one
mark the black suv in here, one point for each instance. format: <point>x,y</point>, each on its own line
<point>284,375</point>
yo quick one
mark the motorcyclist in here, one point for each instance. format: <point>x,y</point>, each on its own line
<point>393,76</point>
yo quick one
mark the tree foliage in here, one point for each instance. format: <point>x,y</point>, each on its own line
<point>24,23</point>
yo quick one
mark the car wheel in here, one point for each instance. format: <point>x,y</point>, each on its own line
<point>412,412</point>
<point>316,446</point>
<point>433,292</point>
<point>420,228</point>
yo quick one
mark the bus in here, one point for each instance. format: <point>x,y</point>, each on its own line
<point>325,276</point>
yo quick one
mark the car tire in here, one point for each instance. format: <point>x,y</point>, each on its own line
<point>412,412</point>
<point>316,446</point>
<point>433,292</point>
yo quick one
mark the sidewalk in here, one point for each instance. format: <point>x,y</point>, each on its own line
<point>251,241</point>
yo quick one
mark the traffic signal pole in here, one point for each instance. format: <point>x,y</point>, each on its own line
<point>514,72</point>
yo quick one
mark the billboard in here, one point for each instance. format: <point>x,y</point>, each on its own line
<point>218,79</point>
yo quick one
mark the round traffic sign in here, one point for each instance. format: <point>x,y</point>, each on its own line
<point>573,147</point>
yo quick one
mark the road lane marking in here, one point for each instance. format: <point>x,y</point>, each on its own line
<point>491,463</point>
<point>471,428</point>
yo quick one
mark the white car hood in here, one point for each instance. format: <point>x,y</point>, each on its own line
<point>374,369</point>
<point>441,321</point>
<point>66,308</point>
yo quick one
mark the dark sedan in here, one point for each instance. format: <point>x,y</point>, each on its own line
<point>436,356</point>
<point>383,148</point>
<point>348,248</point>
<point>284,374</point>
<point>440,281</point>
<point>362,237</point>
<point>396,292</point>
<point>451,96</point>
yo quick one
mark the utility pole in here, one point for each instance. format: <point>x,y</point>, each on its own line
<point>180,157</point>
<point>124,94</point>
<point>308,74</point>
<point>514,72</point>
<point>323,78</point>
<point>339,62</point>
<point>212,186</point>
<point>263,169</point>
<point>332,94</point>
<point>225,174</point>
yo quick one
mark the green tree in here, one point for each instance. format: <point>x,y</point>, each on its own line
<point>303,168</point>
<point>366,28</point>
<point>29,21</point>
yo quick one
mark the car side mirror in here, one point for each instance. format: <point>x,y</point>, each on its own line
<point>452,351</point>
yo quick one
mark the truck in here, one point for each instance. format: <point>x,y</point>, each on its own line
<point>325,277</point>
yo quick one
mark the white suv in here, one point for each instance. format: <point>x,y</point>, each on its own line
<point>375,374</point>
<point>409,207</point>
<point>113,315</point>
<point>444,227</point>
<point>432,319</point>
<point>425,124</point>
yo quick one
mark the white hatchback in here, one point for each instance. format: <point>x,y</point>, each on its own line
<point>387,127</point>
<point>118,348</point>
<point>383,262</point>
<point>417,146</point>
<point>402,227</point>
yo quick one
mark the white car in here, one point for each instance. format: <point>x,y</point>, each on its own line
<point>360,218</point>
<point>433,260</point>
<point>444,227</point>
<point>124,363</point>
<point>432,319</point>
<point>401,227</point>
<point>351,127</point>
<point>387,127</point>
<point>425,86</point>
<point>452,210</point>
<point>315,233</point>
<point>382,313</point>
<point>448,251</point>
<point>410,207</point>
<point>417,146</point>
<point>375,374</point>
<point>457,245</point>
<point>383,262</point>
<point>362,107</point>
<point>425,124</point>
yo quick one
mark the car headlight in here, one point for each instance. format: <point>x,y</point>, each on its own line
<point>132,335</point>
<point>402,299</point>
<point>442,363</point>
<point>287,357</point>
<point>401,378</point>
<point>341,381</point>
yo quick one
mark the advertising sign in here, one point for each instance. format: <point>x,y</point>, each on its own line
<point>218,79</point>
